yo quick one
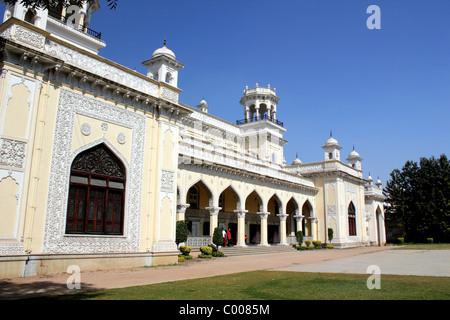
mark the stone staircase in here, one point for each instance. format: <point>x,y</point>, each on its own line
<point>255,249</point>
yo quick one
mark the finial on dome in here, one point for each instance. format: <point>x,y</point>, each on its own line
<point>165,40</point>
<point>331,133</point>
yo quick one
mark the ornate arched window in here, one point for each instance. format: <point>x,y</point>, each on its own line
<point>193,198</point>
<point>96,193</point>
<point>351,220</point>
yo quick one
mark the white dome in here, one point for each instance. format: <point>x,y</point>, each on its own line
<point>354,154</point>
<point>331,142</point>
<point>164,51</point>
<point>297,161</point>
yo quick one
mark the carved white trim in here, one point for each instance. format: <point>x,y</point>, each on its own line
<point>167,180</point>
<point>100,68</point>
<point>86,129</point>
<point>55,240</point>
<point>12,153</point>
<point>27,36</point>
<point>11,248</point>
<point>121,138</point>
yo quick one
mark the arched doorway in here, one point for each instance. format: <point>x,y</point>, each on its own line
<point>229,201</point>
<point>306,223</point>
<point>199,197</point>
<point>253,205</point>
<point>291,223</point>
<point>273,221</point>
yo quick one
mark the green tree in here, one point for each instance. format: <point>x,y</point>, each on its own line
<point>46,4</point>
<point>218,237</point>
<point>182,232</point>
<point>419,199</point>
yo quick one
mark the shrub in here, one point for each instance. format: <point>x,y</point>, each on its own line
<point>218,254</point>
<point>218,237</point>
<point>401,240</point>
<point>330,234</point>
<point>204,256</point>
<point>299,236</point>
<point>185,250</point>
<point>317,244</point>
<point>329,246</point>
<point>301,248</point>
<point>430,240</point>
<point>308,243</point>
<point>206,250</point>
<point>180,259</point>
<point>181,232</point>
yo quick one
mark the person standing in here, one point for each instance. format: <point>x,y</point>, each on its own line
<point>224,235</point>
<point>229,237</point>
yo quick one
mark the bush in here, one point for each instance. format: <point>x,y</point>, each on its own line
<point>430,240</point>
<point>330,234</point>
<point>301,248</point>
<point>185,250</point>
<point>218,237</point>
<point>317,244</point>
<point>206,250</point>
<point>308,243</point>
<point>180,259</point>
<point>218,254</point>
<point>181,232</point>
<point>329,246</point>
<point>400,240</point>
<point>299,236</point>
<point>205,256</point>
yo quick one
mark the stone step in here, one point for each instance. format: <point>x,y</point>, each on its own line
<point>255,249</point>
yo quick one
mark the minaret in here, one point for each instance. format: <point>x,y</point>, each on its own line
<point>163,66</point>
<point>332,149</point>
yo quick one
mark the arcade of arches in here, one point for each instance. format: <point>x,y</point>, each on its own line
<point>251,219</point>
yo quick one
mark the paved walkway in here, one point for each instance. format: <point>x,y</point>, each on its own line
<point>56,284</point>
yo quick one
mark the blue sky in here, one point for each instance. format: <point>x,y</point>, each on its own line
<point>385,91</point>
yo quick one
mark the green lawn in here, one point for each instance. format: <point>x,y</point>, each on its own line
<point>277,285</point>
<point>424,246</point>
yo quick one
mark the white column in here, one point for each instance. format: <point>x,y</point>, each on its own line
<point>314,227</point>
<point>181,211</point>
<point>213,219</point>
<point>283,239</point>
<point>299,220</point>
<point>264,231</point>
<point>241,227</point>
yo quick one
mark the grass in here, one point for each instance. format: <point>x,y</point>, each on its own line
<point>424,246</point>
<point>277,285</point>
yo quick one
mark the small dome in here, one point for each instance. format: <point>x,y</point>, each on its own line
<point>164,51</point>
<point>353,154</point>
<point>297,161</point>
<point>331,142</point>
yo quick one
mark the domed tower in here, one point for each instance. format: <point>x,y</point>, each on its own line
<point>260,104</point>
<point>354,159</point>
<point>332,149</point>
<point>163,66</point>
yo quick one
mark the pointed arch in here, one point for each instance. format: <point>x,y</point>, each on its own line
<point>199,196</point>
<point>351,214</point>
<point>307,213</point>
<point>96,201</point>
<point>274,205</point>
<point>254,202</point>
<point>224,199</point>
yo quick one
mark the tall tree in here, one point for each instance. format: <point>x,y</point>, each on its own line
<point>46,4</point>
<point>419,199</point>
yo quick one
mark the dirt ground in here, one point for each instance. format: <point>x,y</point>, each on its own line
<point>96,280</point>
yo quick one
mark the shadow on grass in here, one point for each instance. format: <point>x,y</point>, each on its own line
<point>40,290</point>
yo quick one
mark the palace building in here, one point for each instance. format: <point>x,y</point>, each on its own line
<point>98,162</point>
